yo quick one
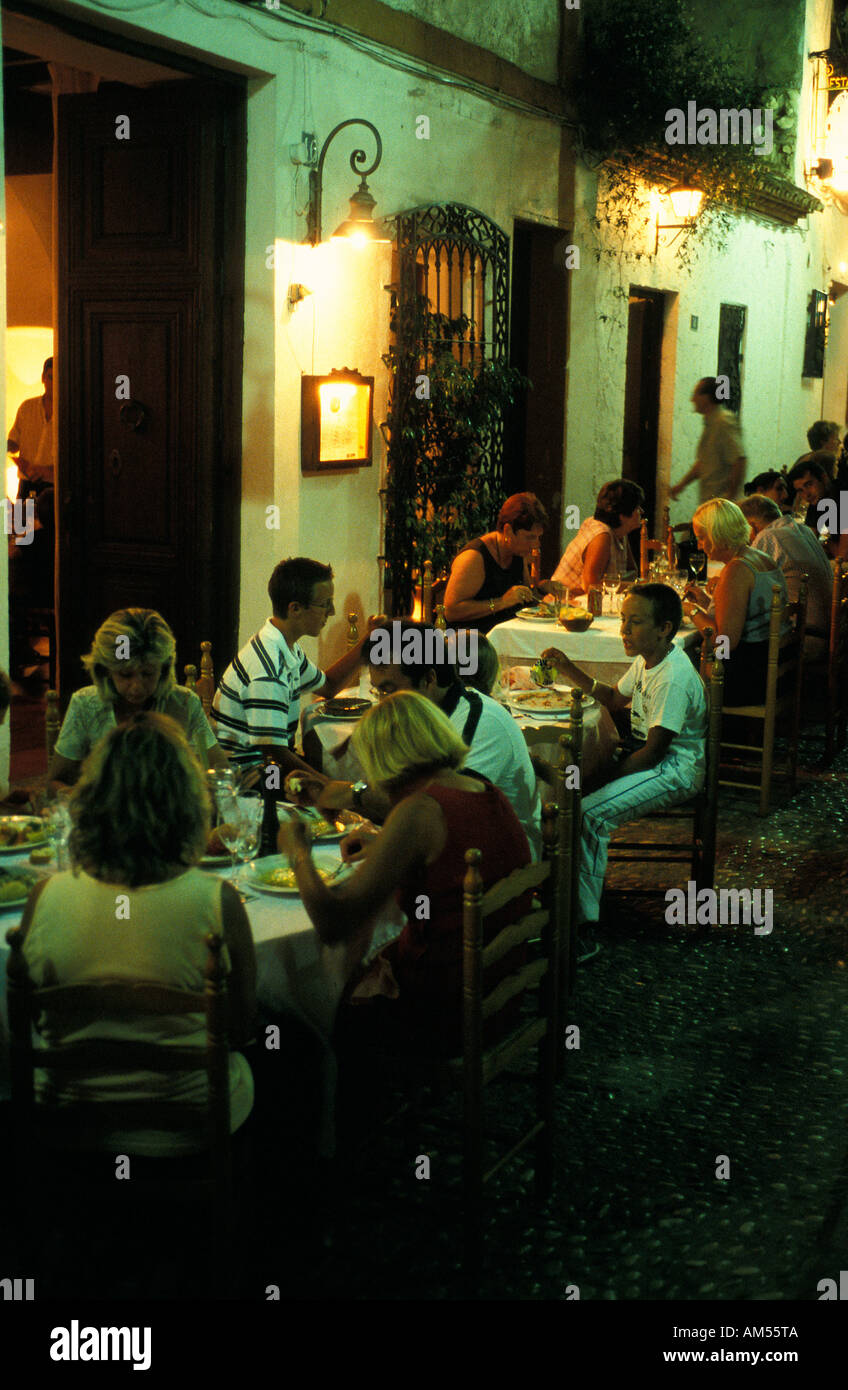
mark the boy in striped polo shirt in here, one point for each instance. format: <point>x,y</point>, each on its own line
<point>257,704</point>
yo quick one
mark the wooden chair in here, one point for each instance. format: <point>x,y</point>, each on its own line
<point>832,673</point>
<point>701,810</point>
<point>784,679</point>
<point>203,685</point>
<point>52,723</point>
<point>40,1126</point>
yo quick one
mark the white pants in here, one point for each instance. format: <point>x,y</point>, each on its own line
<point>614,805</point>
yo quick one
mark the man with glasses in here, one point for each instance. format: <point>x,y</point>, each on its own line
<point>257,703</point>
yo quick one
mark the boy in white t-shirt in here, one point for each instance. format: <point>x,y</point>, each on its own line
<point>664,760</point>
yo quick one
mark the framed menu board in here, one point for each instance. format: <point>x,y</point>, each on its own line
<point>335,422</point>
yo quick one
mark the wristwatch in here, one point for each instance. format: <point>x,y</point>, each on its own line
<point>358,789</point>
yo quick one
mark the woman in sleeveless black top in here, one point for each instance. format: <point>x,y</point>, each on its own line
<point>490,577</point>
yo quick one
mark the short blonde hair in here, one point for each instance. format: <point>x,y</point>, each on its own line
<point>149,638</point>
<point>723,522</point>
<point>141,804</point>
<point>404,737</point>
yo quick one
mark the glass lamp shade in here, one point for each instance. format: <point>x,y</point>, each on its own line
<point>685,202</point>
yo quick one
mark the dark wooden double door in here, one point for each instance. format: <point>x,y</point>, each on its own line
<point>149,361</point>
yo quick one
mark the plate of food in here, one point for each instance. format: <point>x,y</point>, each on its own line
<point>16,886</point>
<point>555,701</point>
<point>541,613</point>
<point>20,832</point>
<point>273,875</point>
<point>327,828</point>
<point>343,708</point>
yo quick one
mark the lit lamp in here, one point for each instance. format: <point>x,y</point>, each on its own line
<point>685,199</point>
<point>359,226</point>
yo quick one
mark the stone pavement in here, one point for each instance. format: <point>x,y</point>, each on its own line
<point>698,1057</point>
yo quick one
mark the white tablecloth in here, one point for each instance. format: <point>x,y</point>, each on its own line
<point>598,651</point>
<point>295,973</point>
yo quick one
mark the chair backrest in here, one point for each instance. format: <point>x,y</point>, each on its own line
<point>480,1066</point>
<point>52,723</point>
<point>203,686</point>
<point>120,999</point>
<point>838,639</point>
<point>427,593</point>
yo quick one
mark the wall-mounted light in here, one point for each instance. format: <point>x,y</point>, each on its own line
<point>359,225</point>
<point>685,199</point>
<point>296,294</point>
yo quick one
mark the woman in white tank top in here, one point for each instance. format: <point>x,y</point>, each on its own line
<point>136,907</point>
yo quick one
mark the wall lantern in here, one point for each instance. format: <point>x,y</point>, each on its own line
<point>359,226</point>
<point>685,199</point>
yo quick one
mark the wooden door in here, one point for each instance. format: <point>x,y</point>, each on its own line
<point>642,395</point>
<point>151,257</point>
<point>539,348</point>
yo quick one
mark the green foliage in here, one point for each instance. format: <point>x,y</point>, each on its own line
<point>641,60</point>
<point>446,414</point>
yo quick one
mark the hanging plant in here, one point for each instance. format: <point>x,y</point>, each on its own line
<point>640,62</point>
<point>445,422</point>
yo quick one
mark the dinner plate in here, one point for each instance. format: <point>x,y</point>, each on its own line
<point>347,820</point>
<point>343,709</point>
<point>28,877</point>
<point>257,871</point>
<point>21,822</point>
<point>545,705</point>
<point>536,615</point>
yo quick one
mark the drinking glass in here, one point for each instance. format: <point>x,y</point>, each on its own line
<point>222,786</point>
<point>698,564</point>
<point>249,824</point>
<point>57,828</point>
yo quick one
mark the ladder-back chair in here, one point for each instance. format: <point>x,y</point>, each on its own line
<point>784,678</point>
<point>831,673</point>
<point>39,1126</point>
<point>701,809</point>
<point>203,685</point>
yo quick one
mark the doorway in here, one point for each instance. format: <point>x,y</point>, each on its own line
<point>642,394</point>
<point>148,177</point>
<point>539,349</point>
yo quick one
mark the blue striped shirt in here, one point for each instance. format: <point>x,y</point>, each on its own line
<point>258,699</point>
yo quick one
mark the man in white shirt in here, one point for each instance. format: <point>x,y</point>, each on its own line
<point>31,437</point>
<point>498,750</point>
<point>795,548</point>
<point>665,762</point>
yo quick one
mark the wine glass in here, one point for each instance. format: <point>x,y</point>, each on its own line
<point>698,564</point>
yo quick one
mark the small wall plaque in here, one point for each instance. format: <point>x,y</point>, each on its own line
<point>335,422</point>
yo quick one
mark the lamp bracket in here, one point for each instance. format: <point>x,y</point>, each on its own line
<point>316,173</point>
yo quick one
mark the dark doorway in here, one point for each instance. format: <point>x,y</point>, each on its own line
<point>149,356</point>
<point>538,348</point>
<point>642,394</point>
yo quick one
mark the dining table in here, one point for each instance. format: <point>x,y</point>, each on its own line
<point>326,740</point>
<point>295,973</point>
<point>597,651</point>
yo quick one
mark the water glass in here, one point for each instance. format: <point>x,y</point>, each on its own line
<point>57,828</point>
<point>249,827</point>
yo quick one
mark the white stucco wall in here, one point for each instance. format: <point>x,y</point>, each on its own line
<point>525,32</point>
<point>768,268</point>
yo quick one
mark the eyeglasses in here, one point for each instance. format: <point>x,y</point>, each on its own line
<point>324,607</point>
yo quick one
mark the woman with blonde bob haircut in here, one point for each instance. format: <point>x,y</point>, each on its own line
<point>131,664</point>
<point>740,606</point>
<point>408,747</point>
<point>136,907</point>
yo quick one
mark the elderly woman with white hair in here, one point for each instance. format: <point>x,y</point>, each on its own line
<point>131,664</point>
<point>740,606</point>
